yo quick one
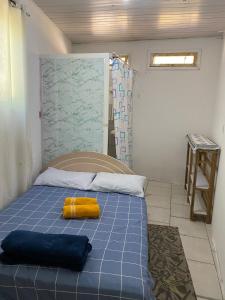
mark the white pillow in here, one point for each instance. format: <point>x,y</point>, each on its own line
<point>56,177</point>
<point>121,183</point>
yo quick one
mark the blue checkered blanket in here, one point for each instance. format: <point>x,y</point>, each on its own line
<point>117,267</point>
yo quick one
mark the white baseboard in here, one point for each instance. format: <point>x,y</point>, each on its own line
<point>218,268</point>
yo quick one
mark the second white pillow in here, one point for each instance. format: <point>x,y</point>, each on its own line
<point>120,183</point>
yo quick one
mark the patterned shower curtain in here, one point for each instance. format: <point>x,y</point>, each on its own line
<point>122,77</point>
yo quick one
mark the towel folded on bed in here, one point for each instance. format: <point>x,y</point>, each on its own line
<point>81,211</point>
<point>60,250</point>
<point>80,201</point>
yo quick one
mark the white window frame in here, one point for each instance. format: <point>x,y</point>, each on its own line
<point>173,51</point>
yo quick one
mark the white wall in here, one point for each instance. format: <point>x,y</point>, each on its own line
<point>167,104</point>
<point>42,37</point>
<point>218,226</point>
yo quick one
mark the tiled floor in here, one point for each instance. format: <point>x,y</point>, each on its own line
<point>167,206</point>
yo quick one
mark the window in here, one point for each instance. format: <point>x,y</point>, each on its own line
<point>174,60</point>
<point>124,58</point>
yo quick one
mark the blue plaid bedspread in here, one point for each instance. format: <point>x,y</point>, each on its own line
<point>117,267</point>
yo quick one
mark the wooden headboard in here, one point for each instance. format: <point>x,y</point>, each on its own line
<point>89,162</point>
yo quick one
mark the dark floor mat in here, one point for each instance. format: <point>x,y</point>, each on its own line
<point>168,264</point>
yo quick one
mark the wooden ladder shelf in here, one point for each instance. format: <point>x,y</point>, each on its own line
<point>200,180</point>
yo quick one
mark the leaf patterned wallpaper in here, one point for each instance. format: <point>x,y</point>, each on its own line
<point>72,105</point>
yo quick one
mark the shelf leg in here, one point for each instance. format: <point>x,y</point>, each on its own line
<point>189,175</point>
<point>192,216</point>
<point>187,162</point>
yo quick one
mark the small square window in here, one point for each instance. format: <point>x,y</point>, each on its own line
<point>124,58</point>
<point>174,60</point>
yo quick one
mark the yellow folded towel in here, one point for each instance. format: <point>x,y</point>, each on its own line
<point>80,201</point>
<point>81,211</point>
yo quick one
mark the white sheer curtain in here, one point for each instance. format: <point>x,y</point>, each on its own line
<point>15,157</point>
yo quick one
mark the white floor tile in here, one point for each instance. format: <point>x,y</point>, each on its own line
<point>209,232</point>
<point>190,228</point>
<point>197,249</point>
<point>205,280</point>
<point>157,214</point>
<point>179,199</point>
<point>178,190</point>
<point>217,266</point>
<point>194,235</point>
<point>181,211</point>
<point>158,201</point>
<point>160,184</point>
<point>158,223</point>
<point>155,190</point>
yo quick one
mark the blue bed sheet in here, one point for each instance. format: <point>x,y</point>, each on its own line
<point>117,267</point>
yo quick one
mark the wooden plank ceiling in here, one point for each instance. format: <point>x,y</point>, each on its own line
<point>86,21</point>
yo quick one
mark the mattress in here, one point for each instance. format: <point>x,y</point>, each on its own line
<point>117,267</point>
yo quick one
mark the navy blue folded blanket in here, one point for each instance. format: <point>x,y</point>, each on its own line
<point>60,250</point>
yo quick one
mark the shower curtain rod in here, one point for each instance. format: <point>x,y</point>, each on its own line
<point>114,55</point>
<point>14,4</point>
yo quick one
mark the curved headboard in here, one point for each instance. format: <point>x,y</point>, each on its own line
<point>89,162</point>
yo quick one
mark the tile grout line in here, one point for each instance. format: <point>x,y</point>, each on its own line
<point>206,298</point>
<point>160,207</point>
<point>214,261</point>
<point>211,250</point>
<point>199,261</point>
<point>170,203</point>
<point>159,181</point>
<point>195,260</point>
<point>196,237</point>
<point>192,237</point>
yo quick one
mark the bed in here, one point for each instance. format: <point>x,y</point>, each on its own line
<point>117,267</point>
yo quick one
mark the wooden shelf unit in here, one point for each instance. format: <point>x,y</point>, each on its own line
<point>200,180</point>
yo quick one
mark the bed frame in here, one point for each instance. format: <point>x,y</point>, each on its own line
<point>89,162</point>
